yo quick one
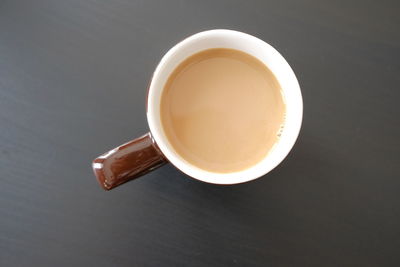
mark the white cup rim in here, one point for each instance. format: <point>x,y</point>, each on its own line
<point>222,38</point>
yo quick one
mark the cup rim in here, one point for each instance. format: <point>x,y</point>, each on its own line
<point>293,116</point>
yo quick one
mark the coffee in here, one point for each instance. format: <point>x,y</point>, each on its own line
<point>222,110</point>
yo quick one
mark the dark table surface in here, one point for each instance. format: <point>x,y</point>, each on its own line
<point>73,78</point>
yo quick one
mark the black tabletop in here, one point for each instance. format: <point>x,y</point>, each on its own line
<point>73,79</point>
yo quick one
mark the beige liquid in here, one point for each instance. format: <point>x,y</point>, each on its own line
<point>222,110</point>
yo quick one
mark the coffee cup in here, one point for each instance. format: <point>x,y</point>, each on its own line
<point>135,158</point>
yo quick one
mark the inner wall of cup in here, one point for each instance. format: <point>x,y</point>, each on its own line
<point>253,46</point>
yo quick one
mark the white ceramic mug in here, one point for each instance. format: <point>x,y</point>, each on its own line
<point>143,154</point>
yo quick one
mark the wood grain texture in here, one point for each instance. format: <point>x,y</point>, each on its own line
<point>73,77</point>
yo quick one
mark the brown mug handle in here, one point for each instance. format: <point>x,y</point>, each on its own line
<point>127,162</point>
